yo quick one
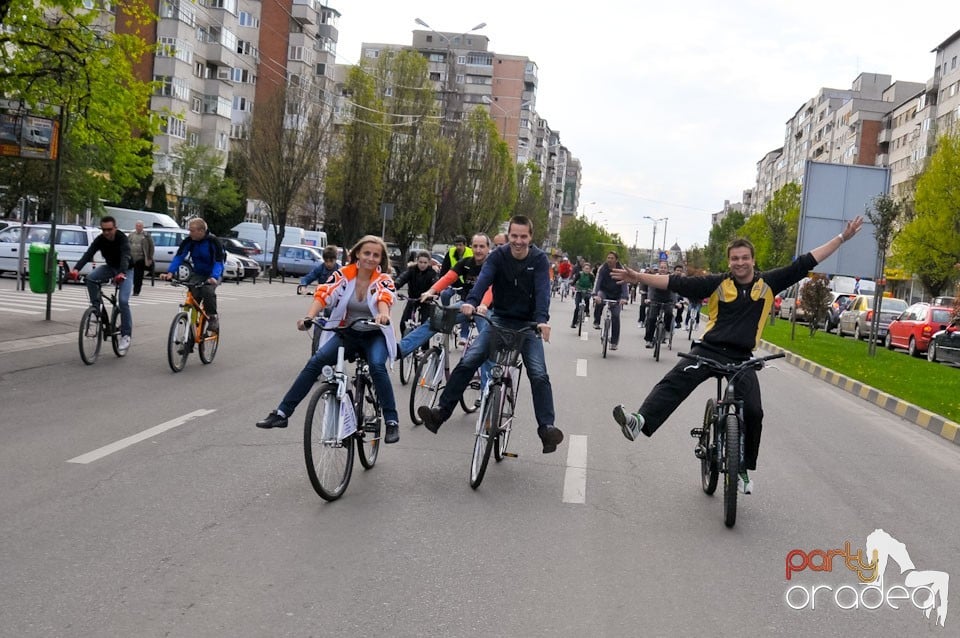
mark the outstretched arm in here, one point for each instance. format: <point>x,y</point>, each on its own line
<point>628,275</point>
<point>852,228</point>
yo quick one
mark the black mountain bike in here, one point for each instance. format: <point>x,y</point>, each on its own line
<point>97,326</point>
<point>720,439</point>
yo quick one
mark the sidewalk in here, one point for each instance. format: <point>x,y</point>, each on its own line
<point>929,421</point>
<point>24,333</point>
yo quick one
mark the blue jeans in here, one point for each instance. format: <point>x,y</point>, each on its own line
<point>103,274</point>
<point>533,359</point>
<point>423,333</point>
<point>374,348</point>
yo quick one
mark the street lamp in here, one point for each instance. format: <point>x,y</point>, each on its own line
<point>653,244</point>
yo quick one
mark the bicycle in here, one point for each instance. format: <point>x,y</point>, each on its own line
<point>581,312</point>
<point>607,324</point>
<point>343,413</point>
<point>408,363</point>
<point>693,316</point>
<point>564,289</point>
<point>499,398</point>
<point>189,330</point>
<point>722,423</point>
<point>97,326</point>
<point>660,332</point>
<point>433,366</point>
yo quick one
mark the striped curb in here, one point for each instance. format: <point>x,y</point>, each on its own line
<point>929,421</point>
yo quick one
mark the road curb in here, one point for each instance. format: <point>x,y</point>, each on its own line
<point>929,421</point>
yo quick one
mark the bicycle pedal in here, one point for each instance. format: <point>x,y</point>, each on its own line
<point>512,455</point>
<point>700,452</point>
<point>696,433</point>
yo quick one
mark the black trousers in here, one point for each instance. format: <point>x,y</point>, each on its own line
<point>139,268</point>
<point>677,385</point>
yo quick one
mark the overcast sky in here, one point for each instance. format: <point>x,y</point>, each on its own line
<point>670,106</point>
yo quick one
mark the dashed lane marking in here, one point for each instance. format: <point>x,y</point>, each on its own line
<point>116,446</point>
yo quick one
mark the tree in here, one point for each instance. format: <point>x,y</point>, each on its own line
<point>582,238</point>
<point>929,244</point>
<point>815,298</point>
<point>782,217</point>
<point>288,134</point>
<point>198,182</point>
<point>531,200</point>
<point>57,54</point>
<point>355,175</point>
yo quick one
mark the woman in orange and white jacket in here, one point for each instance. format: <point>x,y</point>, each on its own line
<point>362,289</point>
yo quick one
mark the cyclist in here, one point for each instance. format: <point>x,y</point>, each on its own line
<point>565,272</point>
<point>363,289</point>
<point>521,294</point>
<point>739,302</point>
<point>321,272</point>
<point>693,311</point>
<point>207,259</point>
<point>500,239</point>
<point>606,287</point>
<point>657,297</point>
<point>678,319</point>
<point>454,254</point>
<point>418,277</point>
<point>115,249</point>
<point>583,284</point>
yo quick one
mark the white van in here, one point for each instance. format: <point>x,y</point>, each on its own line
<point>127,218</point>
<point>293,235</point>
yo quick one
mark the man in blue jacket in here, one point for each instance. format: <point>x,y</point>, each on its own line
<point>518,273</point>
<point>207,260</point>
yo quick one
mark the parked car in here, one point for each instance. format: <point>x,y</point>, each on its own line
<point>915,326</point>
<point>790,301</point>
<point>855,320</point>
<point>294,260</point>
<point>945,345</point>
<point>70,244</point>
<point>166,242</point>
<point>944,301</point>
<point>249,269</point>
<point>838,304</point>
<point>242,247</point>
<point>232,268</point>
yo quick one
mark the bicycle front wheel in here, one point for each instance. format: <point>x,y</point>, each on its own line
<point>90,330</point>
<point>708,461</point>
<point>657,338</point>
<point>580,313</point>
<point>178,343</point>
<point>605,336</point>
<point>505,422</point>
<point>406,369</point>
<point>329,460</point>
<point>115,333</point>
<point>368,430</point>
<point>487,426</point>
<point>731,450</point>
<point>424,390</point>
<point>209,344</point>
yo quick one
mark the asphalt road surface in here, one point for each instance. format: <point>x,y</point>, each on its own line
<point>138,502</point>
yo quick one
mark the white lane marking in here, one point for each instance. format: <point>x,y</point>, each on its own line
<point>116,446</point>
<point>581,367</point>
<point>20,312</point>
<point>584,335</point>
<point>575,480</point>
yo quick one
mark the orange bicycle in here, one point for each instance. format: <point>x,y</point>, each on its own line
<point>189,330</point>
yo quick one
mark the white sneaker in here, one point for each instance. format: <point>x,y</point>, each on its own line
<point>744,483</point>
<point>124,342</point>
<point>630,424</point>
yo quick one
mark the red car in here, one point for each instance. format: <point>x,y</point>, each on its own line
<point>915,326</point>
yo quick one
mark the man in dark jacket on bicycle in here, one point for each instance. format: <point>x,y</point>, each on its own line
<point>657,298</point>
<point>739,304</point>
<point>519,275</point>
<point>115,248</point>
<point>607,288</point>
<point>207,258</point>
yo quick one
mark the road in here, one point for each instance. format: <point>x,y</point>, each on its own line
<point>209,527</point>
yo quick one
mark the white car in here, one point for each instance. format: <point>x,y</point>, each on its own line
<point>71,242</point>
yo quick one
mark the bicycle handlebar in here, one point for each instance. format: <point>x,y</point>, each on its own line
<point>321,324</point>
<point>729,368</point>
<point>525,326</point>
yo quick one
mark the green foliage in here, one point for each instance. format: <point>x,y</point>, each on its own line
<point>582,238</point>
<point>815,298</point>
<point>159,202</point>
<point>929,244</point>
<point>55,53</point>
<point>531,198</point>
<point>887,371</point>
<point>721,235</point>
<point>773,231</point>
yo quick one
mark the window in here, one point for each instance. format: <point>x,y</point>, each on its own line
<point>199,69</point>
<point>480,59</point>
<point>222,142</point>
<point>953,63</point>
<point>320,69</point>
<point>296,53</point>
<point>71,237</point>
<point>226,5</point>
<point>461,59</point>
<point>436,57</point>
<point>172,87</point>
<point>248,20</point>
<point>176,127</point>
<point>194,138</point>
<point>247,48</point>
<point>388,92</point>
<point>429,38</point>
<point>372,53</point>
<point>459,78</point>
<point>241,103</point>
<point>196,105</point>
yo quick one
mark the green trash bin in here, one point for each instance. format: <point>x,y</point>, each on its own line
<point>41,282</point>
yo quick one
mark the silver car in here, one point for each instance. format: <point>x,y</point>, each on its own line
<point>294,259</point>
<point>855,320</point>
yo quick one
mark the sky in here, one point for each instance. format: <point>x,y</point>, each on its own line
<point>670,106</point>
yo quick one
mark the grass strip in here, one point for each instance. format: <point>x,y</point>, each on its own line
<point>932,386</point>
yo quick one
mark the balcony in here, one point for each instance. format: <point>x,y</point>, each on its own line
<point>303,13</point>
<point>883,159</point>
<point>885,136</point>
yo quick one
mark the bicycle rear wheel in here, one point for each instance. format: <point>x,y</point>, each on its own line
<point>470,399</point>
<point>580,312</point>
<point>329,461</point>
<point>115,333</point>
<point>406,368</point>
<point>368,429</point>
<point>731,450</point>
<point>423,390</point>
<point>178,343</point>
<point>708,462</point>
<point>209,344</point>
<point>483,444</point>
<point>657,338</point>
<point>90,331</point>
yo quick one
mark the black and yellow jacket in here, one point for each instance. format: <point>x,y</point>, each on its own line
<point>737,313</point>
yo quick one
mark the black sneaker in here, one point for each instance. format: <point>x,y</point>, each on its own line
<point>273,420</point>
<point>393,432</point>
<point>432,418</point>
<point>551,436</point>
<point>213,324</point>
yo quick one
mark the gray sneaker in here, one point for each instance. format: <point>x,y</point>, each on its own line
<point>630,424</point>
<point>744,484</point>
